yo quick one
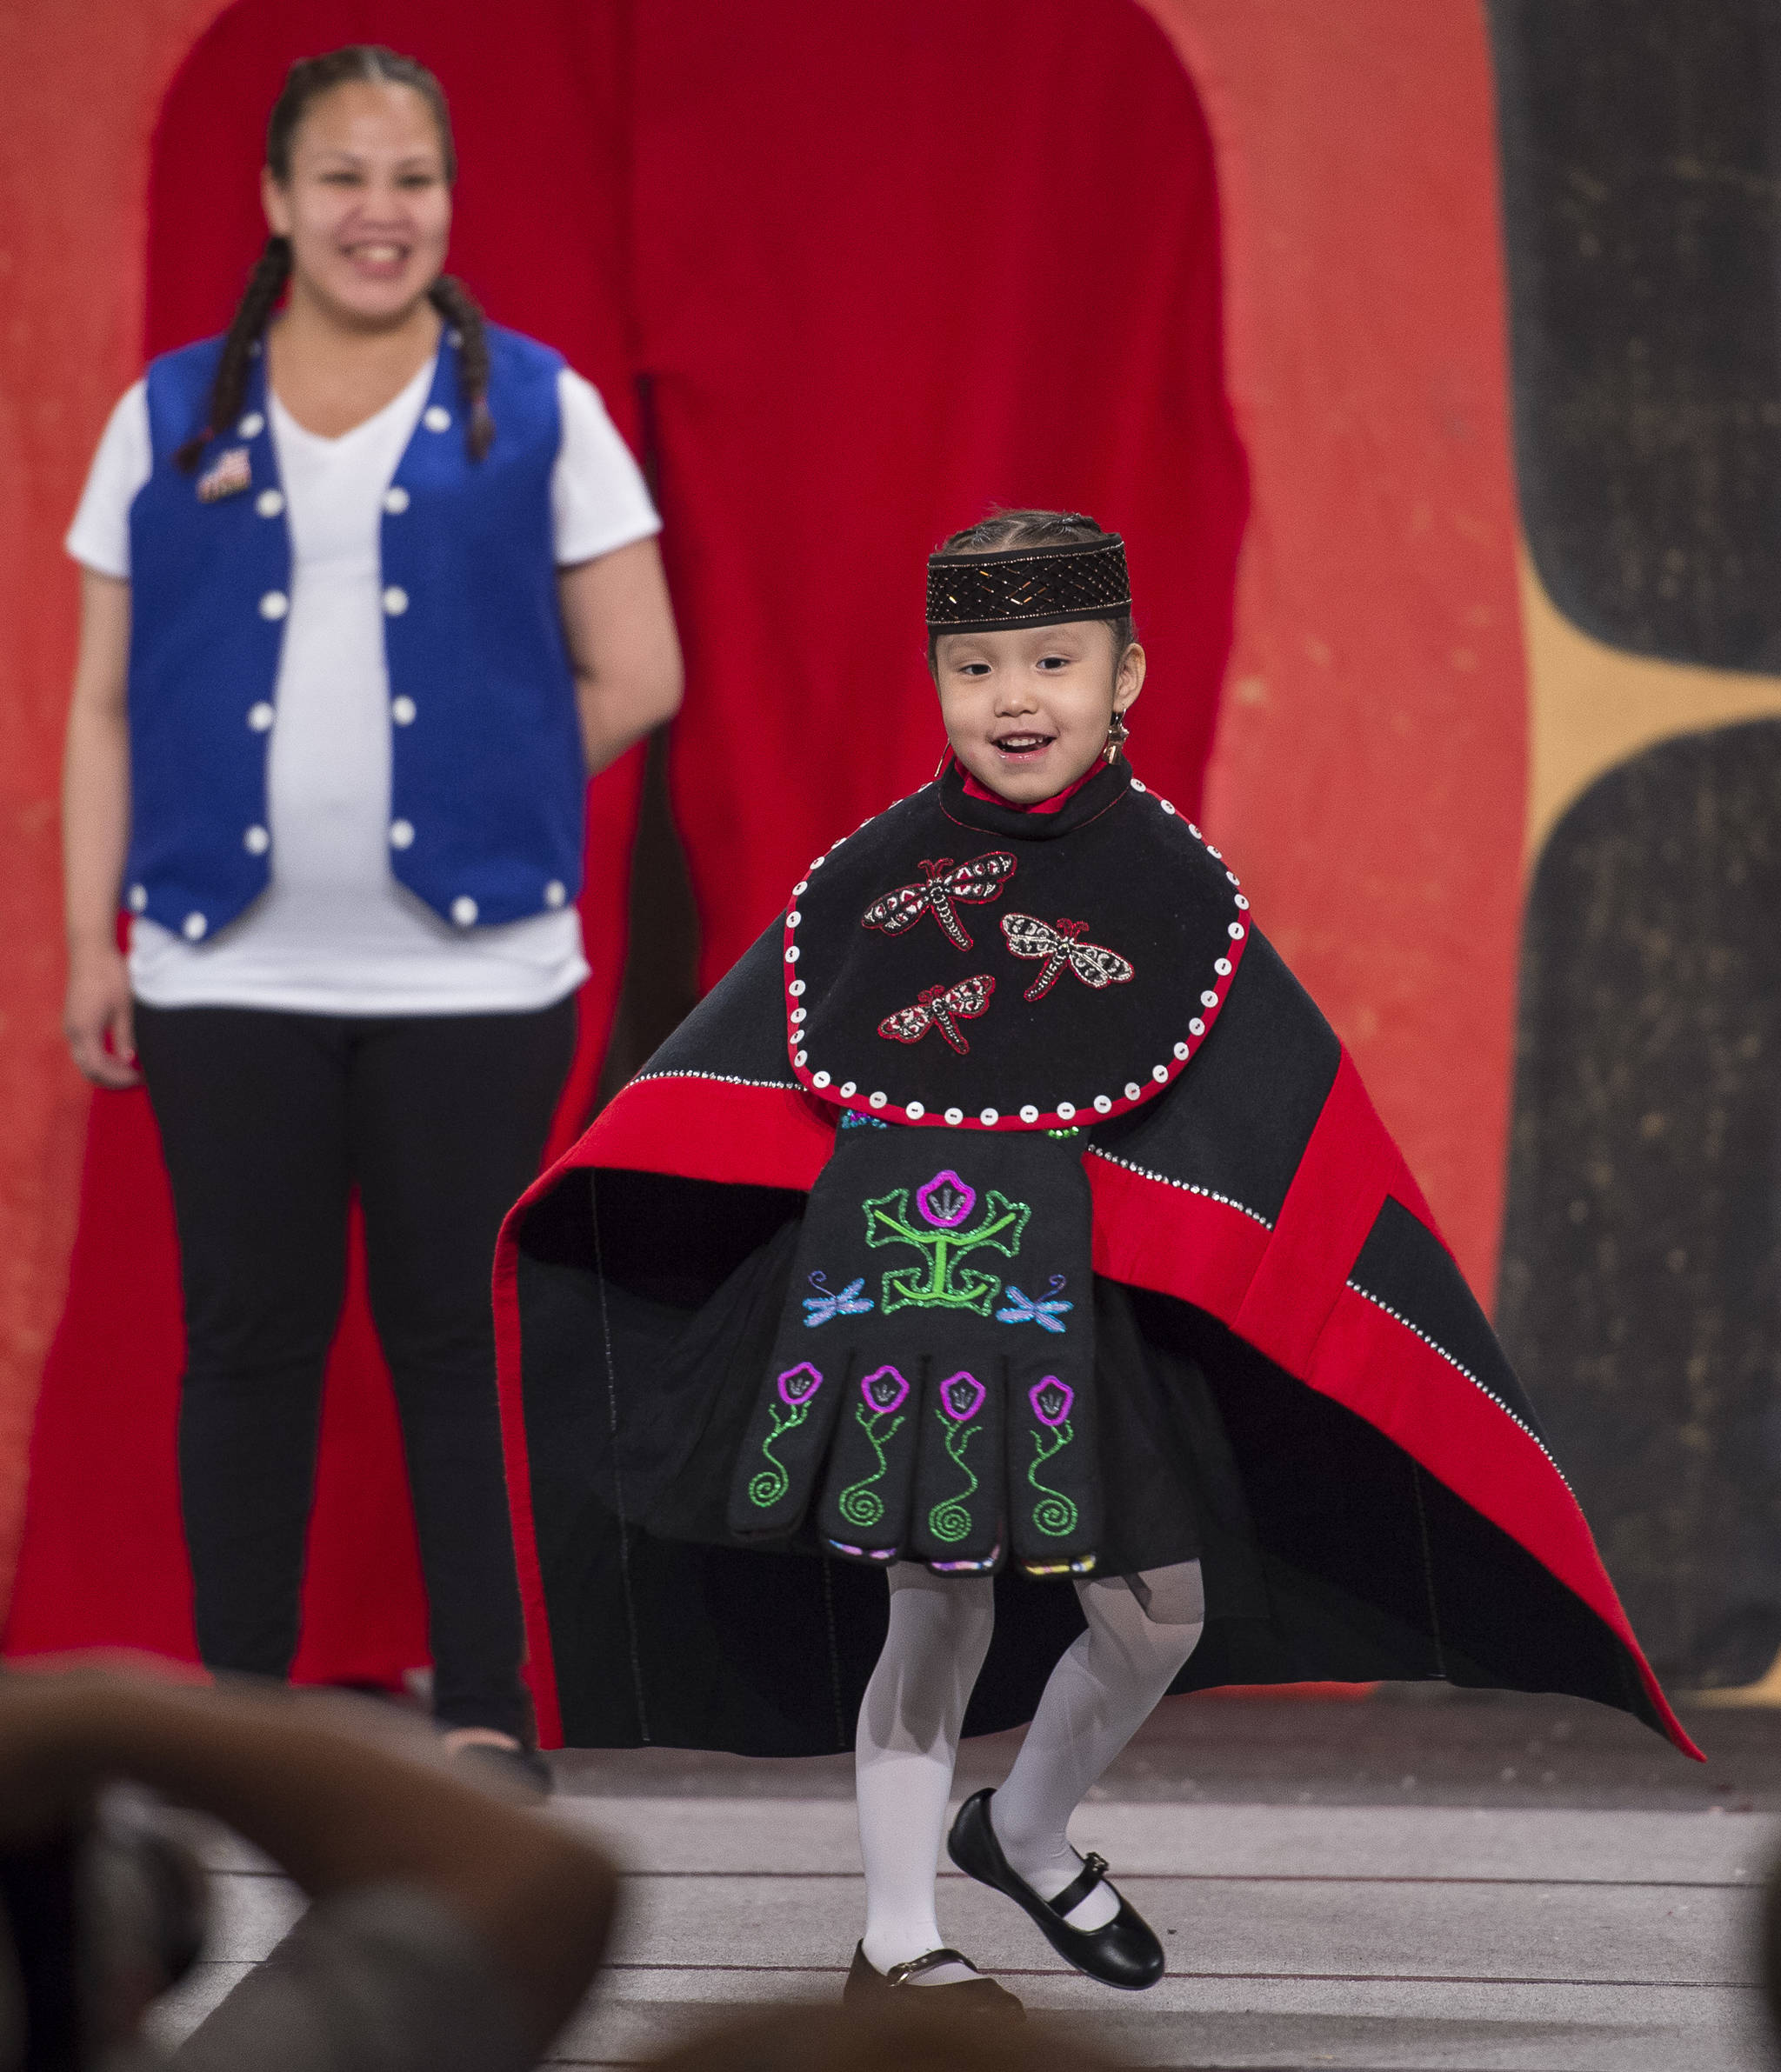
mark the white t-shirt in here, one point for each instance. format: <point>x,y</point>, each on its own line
<point>334,933</point>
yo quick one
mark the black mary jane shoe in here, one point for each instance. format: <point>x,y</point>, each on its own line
<point>1125,1953</point>
<point>869,1987</point>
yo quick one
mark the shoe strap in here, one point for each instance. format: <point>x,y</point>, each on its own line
<point>1093,1871</point>
<point>900,1974</point>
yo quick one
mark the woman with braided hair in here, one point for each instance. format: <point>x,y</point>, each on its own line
<point>369,587</point>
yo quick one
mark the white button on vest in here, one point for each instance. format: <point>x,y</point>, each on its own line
<point>396,499</point>
<point>554,893</point>
<point>269,502</point>
<point>402,712</point>
<point>463,911</point>
<point>256,842</point>
<point>436,418</point>
<point>193,927</point>
<point>395,601</point>
<point>260,717</point>
<point>252,425</point>
<point>274,604</point>
<point>401,834</point>
<point>138,898</point>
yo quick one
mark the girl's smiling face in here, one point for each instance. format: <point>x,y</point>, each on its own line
<point>367,207</point>
<point>1027,709</point>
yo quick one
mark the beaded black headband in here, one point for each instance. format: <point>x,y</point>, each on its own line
<point>1027,586</point>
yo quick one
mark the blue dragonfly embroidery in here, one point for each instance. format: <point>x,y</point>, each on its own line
<point>1021,1308</point>
<point>826,1302</point>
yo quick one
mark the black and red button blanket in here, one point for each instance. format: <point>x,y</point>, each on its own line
<point>960,967</point>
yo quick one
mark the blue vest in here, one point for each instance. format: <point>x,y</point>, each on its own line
<point>487,777</point>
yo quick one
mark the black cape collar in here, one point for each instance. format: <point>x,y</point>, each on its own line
<point>955,964</point>
<point>1105,790</point>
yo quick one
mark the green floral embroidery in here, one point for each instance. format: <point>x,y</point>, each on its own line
<point>943,1282</point>
<point>885,1392</point>
<point>1052,1399</point>
<point>796,1391</point>
<point>961,1398</point>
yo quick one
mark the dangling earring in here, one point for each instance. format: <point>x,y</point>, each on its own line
<point>1117,737</point>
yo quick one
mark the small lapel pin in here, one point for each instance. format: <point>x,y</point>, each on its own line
<point>232,473</point>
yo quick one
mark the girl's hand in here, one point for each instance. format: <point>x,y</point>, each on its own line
<point>99,1006</point>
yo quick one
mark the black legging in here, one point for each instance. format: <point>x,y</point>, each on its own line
<point>268,1121</point>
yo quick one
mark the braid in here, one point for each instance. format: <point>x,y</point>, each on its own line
<point>459,308</point>
<point>228,389</point>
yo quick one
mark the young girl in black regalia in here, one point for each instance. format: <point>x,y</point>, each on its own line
<point>1009,1215</point>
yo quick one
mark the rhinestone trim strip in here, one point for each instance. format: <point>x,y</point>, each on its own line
<point>1496,1401</point>
<point>1187,1187</point>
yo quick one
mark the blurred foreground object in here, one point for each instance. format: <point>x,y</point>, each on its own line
<point>448,1930</point>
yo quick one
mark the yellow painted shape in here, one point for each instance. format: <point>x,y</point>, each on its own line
<point>1766,1690</point>
<point>1592,707</point>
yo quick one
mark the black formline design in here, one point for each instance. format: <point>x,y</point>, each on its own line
<point>1459,1367</point>
<point>1187,1187</point>
<point>1098,1109</point>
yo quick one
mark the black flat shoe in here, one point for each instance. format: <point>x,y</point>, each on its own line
<point>867,1986</point>
<point>1125,1953</point>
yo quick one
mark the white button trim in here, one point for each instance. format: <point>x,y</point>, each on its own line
<point>555,892</point>
<point>138,898</point>
<point>396,600</point>
<point>436,417</point>
<point>396,499</point>
<point>402,712</point>
<point>463,909</point>
<point>914,1111</point>
<point>256,842</point>
<point>402,836</point>
<point>877,1100</point>
<point>260,717</point>
<point>1066,1110</point>
<point>274,604</point>
<point>955,1116</point>
<point>270,504</point>
<point>819,1079</point>
<point>989,1118</point>
<point>251,426</point>
<point>193,927</point>
<point>1101,1104</point>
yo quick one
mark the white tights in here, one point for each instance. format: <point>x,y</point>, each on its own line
<point>1139,1634</point>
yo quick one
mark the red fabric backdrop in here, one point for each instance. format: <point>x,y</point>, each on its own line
<point>868,272</point>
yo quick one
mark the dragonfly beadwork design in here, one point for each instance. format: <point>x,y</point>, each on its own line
<point>944,1237</point>
<point>828,1303</point>
<point>1029,936</point>
<point>943,1008</point>
<point>1021,1308</point>
<point>945,886</point>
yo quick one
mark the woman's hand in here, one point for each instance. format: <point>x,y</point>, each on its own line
<point>619,627</point>
<point>95,835</point>
<point>99,1007</point>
